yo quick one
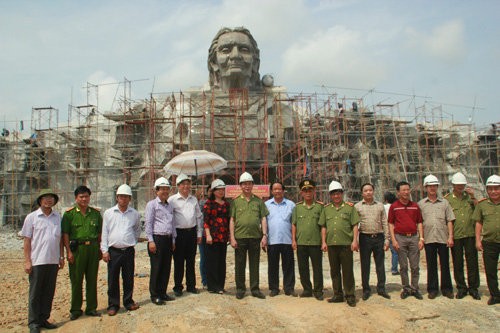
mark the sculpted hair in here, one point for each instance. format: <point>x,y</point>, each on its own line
<point>402,183</point>
<point>214,76</point>
<point>82,189</point>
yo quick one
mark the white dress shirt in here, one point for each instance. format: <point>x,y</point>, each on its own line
<point>120,229</point>
<point>187,213</point>
<point>45,234</point>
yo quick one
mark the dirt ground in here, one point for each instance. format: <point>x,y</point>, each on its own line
<point>224,313</point>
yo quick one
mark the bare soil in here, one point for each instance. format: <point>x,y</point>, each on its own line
<point>224,313</point>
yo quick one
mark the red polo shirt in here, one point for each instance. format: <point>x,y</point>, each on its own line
<point>404,217</point>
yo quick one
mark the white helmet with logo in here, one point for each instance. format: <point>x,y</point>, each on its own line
<point>493,180</point>
<point>162,181</point>
<point>335,186</point>
<point>459,179</point>
<point>431,180</point>
<point>124,189</point>
<point>246,177</point>
<point>217,183</point>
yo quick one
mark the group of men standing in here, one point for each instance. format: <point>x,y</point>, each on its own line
<point>174,226</point>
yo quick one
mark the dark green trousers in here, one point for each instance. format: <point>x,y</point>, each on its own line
<point>313,252</point>
<point>86,265</point>
<point>341,269</point>
<point>252,247</point>
<point>465,246</point>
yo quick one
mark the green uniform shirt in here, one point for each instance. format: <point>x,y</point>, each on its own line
<point>82,227</point>
<point>488,214</point>
<point>306,219</point>
<point>463,208</point>
<point>339,223</point>
<point>247,216</point>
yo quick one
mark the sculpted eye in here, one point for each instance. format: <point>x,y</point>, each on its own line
<point>244,49</point>
<point>224,49</point>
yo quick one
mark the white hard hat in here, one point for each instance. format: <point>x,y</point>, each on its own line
<point>459,179</point>
<point>335,186</point>
<point>162,181</point>
<point>180,178</point>
<point>493,180</point>
<point>217,183</point>
<point>124,189</point>
<point>431,180</point>
<point>246,177</point>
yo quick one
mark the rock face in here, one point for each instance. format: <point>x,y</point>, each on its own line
<point>254,125</point>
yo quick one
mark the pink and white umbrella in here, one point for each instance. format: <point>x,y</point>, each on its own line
<point>195,163</point>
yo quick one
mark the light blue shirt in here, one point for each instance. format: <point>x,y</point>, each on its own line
<point>279,221</point>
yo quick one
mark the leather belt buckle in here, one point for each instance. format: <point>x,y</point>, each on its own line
<point>86,243</point>
<point>373,235</point>
<point>408,235</point>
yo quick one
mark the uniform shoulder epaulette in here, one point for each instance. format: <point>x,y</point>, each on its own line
<point>70,208</point>
<point>300,202</point>
<point>349,203</point>
<point>446,195</point>
<point>320,202</point>
<point>97,209</point>
<point>482,200</point>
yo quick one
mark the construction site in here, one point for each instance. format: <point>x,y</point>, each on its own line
<point>272,134</point>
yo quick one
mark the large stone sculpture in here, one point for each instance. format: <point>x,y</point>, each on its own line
<point>234,60</point>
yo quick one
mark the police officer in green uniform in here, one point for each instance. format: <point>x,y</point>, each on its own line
<point>339,236</point>
<point>81,228</point>
<point>487,217</point>
<point>306,239</point>
<point>248,233</point>
<point>462,200</point>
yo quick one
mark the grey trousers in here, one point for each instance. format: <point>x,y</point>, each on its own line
<point>41,293</point>
<point>409,252</point>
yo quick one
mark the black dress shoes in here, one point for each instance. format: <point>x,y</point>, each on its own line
<point>48,325</point>
<point>167,298</point>
<point>74,315</point>
<point>258,294</point>
<point>157,301</point>
<point>384,294</point>
<point>366,295</point>
<point>93,314</point>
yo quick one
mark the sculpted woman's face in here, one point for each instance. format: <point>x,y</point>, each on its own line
<point>235,56</point>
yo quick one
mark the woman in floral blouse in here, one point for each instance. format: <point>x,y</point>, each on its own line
<point>216,224</point>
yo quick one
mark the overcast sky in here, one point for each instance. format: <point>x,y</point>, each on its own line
<point>447,51</point>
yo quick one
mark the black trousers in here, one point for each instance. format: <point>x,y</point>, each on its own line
<point>41,293</point>
<point>432,251</point>
<point>465,246</point>
<point>161,262</point>
<point>287,262</point>
<point>184,254</point>
<point>491,253</point>
<point>120,260</point>
<point>313,252</point>
<point>369,244</point>
<point>215,255</point>
<point>250,246</point>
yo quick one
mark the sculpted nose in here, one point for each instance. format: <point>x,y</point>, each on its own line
<point>234,52</point>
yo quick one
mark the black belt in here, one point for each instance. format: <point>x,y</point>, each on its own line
<point>167,235</point>
<point>123,249</point>
<point>86,242</point>
<point>408,234</point>
<point>372,235</point>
